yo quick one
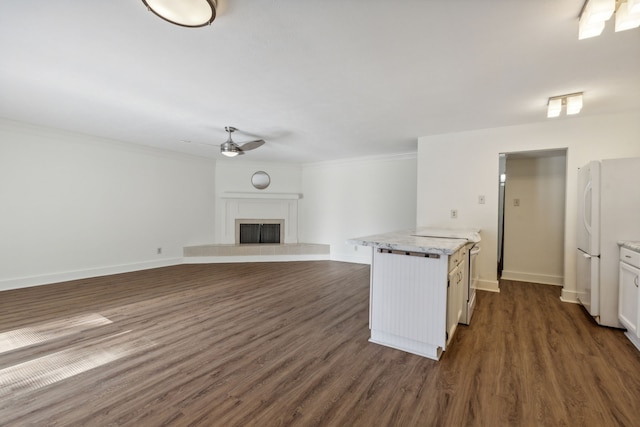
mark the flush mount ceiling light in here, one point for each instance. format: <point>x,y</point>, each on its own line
<point>596,12</point>
<point>572,101</point>
<point>186,13</point>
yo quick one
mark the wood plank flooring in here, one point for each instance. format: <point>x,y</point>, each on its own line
<point>270,344</point>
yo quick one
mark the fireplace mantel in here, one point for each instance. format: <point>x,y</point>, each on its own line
<point>255,195</point>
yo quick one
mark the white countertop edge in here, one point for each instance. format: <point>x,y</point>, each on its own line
<point>422,239</point>
<point>631,245</point>
<point>440,249</point>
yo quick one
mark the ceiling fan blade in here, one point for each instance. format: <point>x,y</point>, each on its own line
<point>252,145</point>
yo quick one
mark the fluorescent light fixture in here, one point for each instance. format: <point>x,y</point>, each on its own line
<point>596,12</point>
<point>554,107</point>
<point>186,13</point>
<point>599,10</point>
<point>574,104</point>
<point>625,19</point>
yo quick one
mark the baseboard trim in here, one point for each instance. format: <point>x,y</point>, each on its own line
<point>354,259</point>
<point>533,278</point>
<point>569,296</point>
<point>47,279</point>
<point>488,285</point>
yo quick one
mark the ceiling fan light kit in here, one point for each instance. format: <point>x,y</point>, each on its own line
<point>231,149</point>
<point>186,13</point>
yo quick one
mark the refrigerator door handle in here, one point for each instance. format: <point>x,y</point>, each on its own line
<point>587,189</point>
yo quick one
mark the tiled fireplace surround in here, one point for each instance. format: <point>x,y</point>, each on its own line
<point>236,207</point>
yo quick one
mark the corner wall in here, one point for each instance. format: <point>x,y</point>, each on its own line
<point>76,206</point>
<point>454,169</point>
<point>352,198</point>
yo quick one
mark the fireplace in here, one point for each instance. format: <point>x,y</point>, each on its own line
<point>257,208</point>
<point>259,231</point>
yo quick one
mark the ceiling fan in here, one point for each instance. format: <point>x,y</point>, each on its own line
<point>231,149</point>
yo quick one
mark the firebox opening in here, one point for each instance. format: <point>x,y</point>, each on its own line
<point>259,231</point>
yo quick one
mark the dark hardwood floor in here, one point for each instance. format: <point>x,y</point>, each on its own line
<point>270,344</point>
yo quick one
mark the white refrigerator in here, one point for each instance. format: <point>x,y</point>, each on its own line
<point>608,212</point>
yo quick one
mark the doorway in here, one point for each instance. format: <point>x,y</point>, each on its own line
<point>531,216</point>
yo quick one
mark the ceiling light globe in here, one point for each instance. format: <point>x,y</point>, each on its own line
<point>229,149</point>
<point>186,13</point>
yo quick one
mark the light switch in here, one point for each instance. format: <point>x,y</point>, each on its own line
<point>516,202</point>
<point>481,200</point>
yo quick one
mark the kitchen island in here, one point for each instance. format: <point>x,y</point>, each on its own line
<point>417,288</point>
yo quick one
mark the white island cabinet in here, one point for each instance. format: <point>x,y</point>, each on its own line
<point>417,287</point>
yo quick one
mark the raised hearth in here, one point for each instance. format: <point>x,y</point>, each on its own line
<point>257,253</point>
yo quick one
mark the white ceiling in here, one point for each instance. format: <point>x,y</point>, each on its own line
<point>318,80</point>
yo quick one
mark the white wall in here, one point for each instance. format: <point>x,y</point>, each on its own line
<point>76,206</point>
<point>534,230</point>
<point>235,176</point>
<point>355,198</point>
<point>453,169</point>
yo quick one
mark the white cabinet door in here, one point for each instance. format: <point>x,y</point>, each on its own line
<point>456,295</point>
<point>464,284</point>
<point>453,302</point>
<point>629,298</point>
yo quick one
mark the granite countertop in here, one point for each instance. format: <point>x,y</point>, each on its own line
<point>423,239</point>
<point>631,245</point>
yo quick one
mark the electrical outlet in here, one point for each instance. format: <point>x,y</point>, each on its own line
<point>481,200</point>
<point>516,202</point>
<point>159,251</point>
<point>454,213</point>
